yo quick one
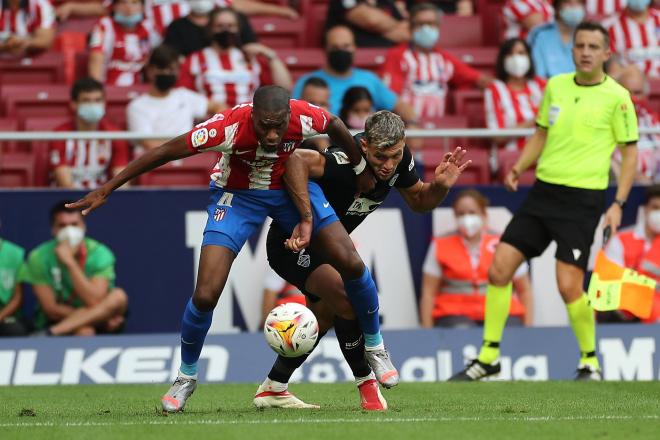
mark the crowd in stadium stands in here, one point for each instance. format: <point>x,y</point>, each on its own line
<point>159,66</point>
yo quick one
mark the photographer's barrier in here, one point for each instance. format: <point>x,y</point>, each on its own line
<point>156,236</point>
<point>627,352</point>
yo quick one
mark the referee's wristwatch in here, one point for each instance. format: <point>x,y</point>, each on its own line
<point>621,203</point>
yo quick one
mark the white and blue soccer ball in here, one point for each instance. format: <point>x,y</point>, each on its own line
<point>291,329</point>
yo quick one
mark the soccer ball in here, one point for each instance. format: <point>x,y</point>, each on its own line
<point>291,329</point>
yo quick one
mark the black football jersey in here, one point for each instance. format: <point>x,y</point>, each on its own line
<point>338,185</point>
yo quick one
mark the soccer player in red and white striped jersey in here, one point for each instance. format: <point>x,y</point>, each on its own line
<point>87,163</point>
<point>227,72</point>
<point>635,35</point>
<point>120,44</point>
<point>604,8</point>
<point>421,73</point>
<point>521,16</point>
<point>513,99</point>
<point>26,25</point>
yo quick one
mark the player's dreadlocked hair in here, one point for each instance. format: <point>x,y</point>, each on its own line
<point>384,129</point>
<point>271,99</point>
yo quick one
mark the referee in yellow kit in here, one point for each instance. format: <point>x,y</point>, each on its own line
<point>584,115</point>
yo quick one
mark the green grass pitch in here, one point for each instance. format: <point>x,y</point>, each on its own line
<point>494,410</point>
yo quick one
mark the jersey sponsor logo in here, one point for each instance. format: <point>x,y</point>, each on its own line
<point>393,179</point>
<point>225,199</point>
<point>304,260</point>
<point>341,158</point>
<point>199,137</point>
<point>288,146</point>
<point>219,214</point>
<point>362,207</point>
<point>412,164</point>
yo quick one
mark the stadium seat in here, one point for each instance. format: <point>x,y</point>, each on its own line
<point>655,94</point>
<point>278,32</point>
<point>458,31</point>
<point>370,58</point>
<point>470,103</point>
<point>192,171</point>
<point>447,121</point>
<point>480,58</point>
<point>69,43</point>
<point>506,159</point>
<point>16,170</point>
<point>47,68</point>
<point>8,124</point>
<point>83,25</point>
<point>302,61</point>
<point>478,173</point>
<point>492,23</point>
<point>316,12</point>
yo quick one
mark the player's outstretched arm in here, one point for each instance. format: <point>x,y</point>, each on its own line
<point>340,136</point>
<point>423,197</point>
<point>176,148</point>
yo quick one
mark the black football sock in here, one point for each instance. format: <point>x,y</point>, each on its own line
<point>284,367</point>
<point>351,342</point>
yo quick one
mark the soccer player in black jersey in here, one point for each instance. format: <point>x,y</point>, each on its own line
<point>383,145</point>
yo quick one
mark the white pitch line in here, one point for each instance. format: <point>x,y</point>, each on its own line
<point>164,421</point>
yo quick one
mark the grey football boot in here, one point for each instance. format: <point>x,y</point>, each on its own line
<point>381,364</point>
<point>176,397</point>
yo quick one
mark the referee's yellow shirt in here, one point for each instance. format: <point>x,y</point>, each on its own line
<point>584,124</point>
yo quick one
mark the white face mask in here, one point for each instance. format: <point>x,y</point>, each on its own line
<point>470,224</point>
<point>73,235</point>
<point>516,65</point>
<point>653,221</point>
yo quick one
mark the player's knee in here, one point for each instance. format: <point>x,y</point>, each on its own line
<point>498,275</point>
<point>118,300</point>
<point>569,289</point>
<point>353,267</point>
<point>205,299</point>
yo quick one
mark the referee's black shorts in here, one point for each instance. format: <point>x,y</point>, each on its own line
<point>292,266</point>
<point>569,216</point>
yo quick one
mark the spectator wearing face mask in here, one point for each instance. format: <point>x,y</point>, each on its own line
<point>421,73</point>
<point>635,37</point>
<point>513,99</point>
<point>552,43</point>
<point>189,34</point>
<point>73,278</point>
<point>87,163</point>
<point>357,106</point>
<point>166,109</point>
<point>26,26</point>
<point>648,155</point>
<point>521,16</point>
<point>120,44</point>
<point>228,72</point>
<point>638,247</point>
<point>455,272</point>
<point>340,75</point>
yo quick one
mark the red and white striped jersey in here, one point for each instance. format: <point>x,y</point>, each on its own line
<point>639,43</point>
<point>229,78</point>
<point>22,22</point>
<point>604,8</point>
<point>91,161</point>
<point>243,163</point>
<point>422,79</point>
<point>125,50</point>
<point>506,108</point>
<point>515,11</point>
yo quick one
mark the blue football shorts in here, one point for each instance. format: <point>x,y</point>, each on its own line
<point>234,215</point>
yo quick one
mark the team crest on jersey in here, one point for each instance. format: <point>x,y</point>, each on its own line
<point>393,179</point>
<point>412,164</point>
<point>219,214</point>
<point>288,146</point>
<point>341,158</point>
<point>304,260</point>
<point>199,137</point>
